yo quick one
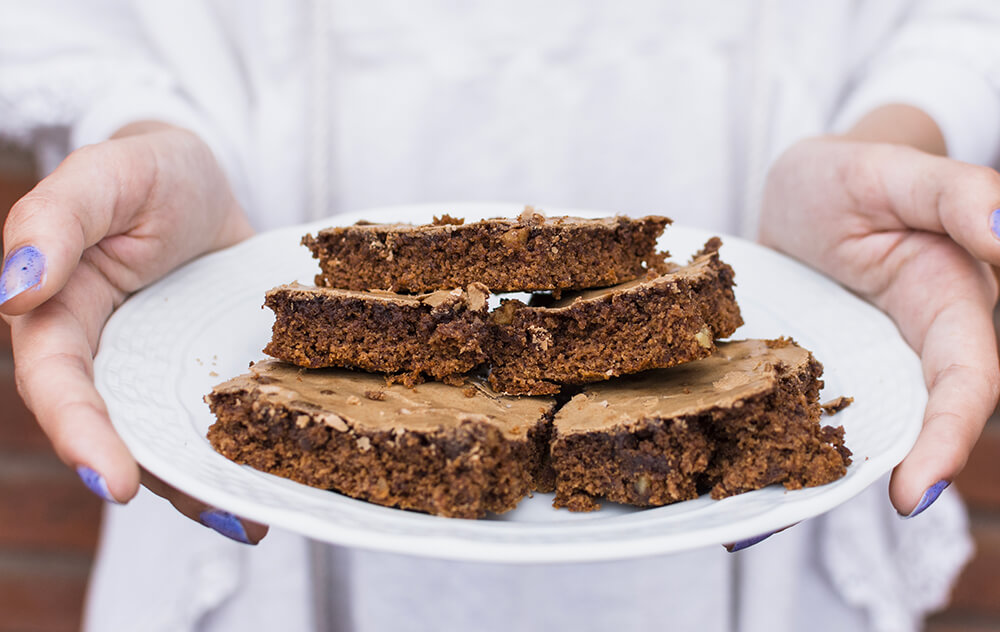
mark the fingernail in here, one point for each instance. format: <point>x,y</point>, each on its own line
<point>746,544</point>
<point>995,223</point>
<point>95,483</point>
<point>225,523</point>
<point>928,498</point>
<point>22,270</point>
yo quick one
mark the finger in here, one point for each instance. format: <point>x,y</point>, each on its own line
<point>54,373</point>
<point>739,545</point>
<point>942,300</point>
<point>905,188</point>
<point>53,349</point>
<point>233,527</point>
<point>963,382</point>
<point>93,193</point>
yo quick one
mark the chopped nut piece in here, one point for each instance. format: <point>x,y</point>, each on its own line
<point>334,421</point>
<point>704,337</point>
<point>642,485</point>
<point>516,238</point>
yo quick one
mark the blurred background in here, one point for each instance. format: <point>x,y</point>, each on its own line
<point>49,522</point>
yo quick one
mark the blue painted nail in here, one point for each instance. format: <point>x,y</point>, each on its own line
<point>746,544</point>
<point>995,223</point>
<point>95,483</point>
<point>928,498</point>
<point>23,270</point>
<point>225,523</point>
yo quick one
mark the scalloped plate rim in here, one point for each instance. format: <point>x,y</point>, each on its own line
<point>643,532</point>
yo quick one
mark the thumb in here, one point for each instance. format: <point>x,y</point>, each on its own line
<point>908,189</point>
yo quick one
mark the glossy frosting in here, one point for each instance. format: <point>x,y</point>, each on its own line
<point>735,372</point>
<point>345,400</point>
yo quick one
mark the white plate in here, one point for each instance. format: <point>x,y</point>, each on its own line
<point>168,345</point>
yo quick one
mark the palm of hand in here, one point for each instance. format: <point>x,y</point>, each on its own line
<point>111,219</point>
<point>911,233</point>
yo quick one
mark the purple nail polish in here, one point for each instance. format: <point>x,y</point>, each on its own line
<point>746,544</point>
<point>23,270</point>
<point>928,498</point>
<point>995,223</point>
<point>95,483</point>
<point>225,523</point>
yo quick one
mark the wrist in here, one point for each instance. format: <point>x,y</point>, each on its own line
<point>899,124</point>
<point>137,128</point>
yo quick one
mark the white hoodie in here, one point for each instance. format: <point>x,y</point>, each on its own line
<point>678,108</point>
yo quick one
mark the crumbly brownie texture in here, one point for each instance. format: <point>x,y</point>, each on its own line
<point>441,334</point>
<point>529,253</point>
<point>836,405</point>
<point>436,448</point>
<point>644,324</point>
<point>744,418</point>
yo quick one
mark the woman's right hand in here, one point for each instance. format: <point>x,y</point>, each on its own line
<point>111,219</point>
